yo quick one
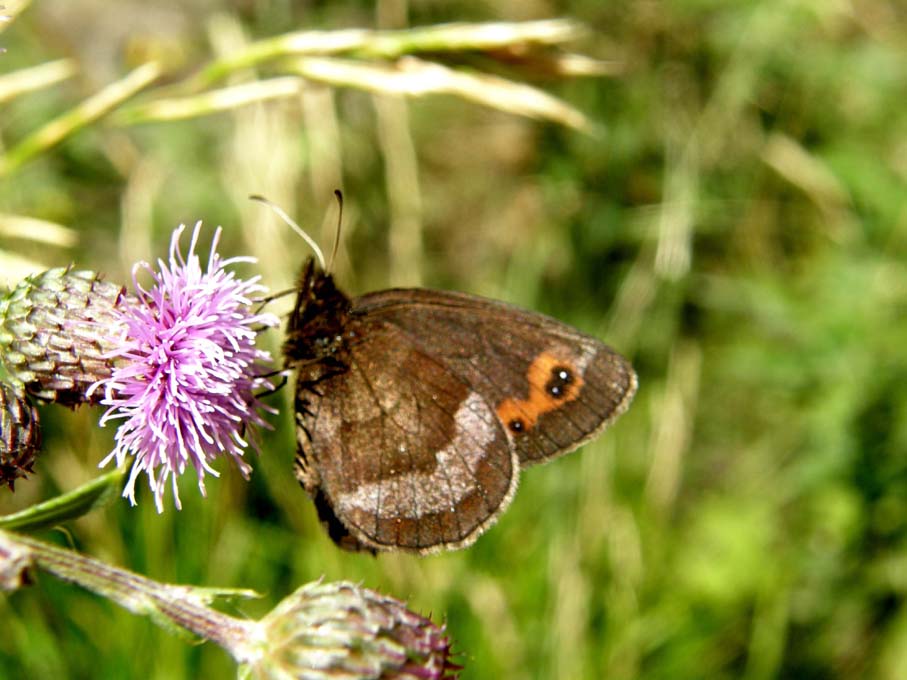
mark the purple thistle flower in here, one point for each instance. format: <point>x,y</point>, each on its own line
<point>186,370</point>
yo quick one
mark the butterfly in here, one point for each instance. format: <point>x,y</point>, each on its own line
<point>416,409</point>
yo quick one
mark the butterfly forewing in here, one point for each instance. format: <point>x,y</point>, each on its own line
<point>552,387</point>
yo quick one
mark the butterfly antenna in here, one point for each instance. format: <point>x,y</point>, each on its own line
<point>339,196</point>
<point>282,374</point>
<point>282,214</point>
<point>265,301</point>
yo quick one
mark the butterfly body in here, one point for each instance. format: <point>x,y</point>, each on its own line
<point>416,409</point>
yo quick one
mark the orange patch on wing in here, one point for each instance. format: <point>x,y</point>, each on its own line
<point>527,411</point>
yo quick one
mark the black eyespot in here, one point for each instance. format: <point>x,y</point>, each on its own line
<point>561,376</point>
<point>516,425</point>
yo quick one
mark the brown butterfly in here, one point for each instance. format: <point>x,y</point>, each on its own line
<point>416,409</point>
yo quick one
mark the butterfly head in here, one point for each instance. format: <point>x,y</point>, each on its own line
<point>318,318</point>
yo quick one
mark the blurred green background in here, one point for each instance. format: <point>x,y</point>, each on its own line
<point>735,223</point>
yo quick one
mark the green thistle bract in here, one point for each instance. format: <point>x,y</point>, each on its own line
<point>56,335</point>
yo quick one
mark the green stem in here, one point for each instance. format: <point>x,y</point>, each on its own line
<point>183,606</point>
<point>369,44</point>
<point>90,110</point>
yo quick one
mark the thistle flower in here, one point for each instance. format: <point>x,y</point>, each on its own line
<point>326,631</point>
<point>186,369</point>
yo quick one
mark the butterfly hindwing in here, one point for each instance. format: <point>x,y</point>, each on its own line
<point>408,456</point>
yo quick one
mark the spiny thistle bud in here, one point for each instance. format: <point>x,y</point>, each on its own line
<point>57,330</point>
<point>339,631</point>
<point>20,435</point>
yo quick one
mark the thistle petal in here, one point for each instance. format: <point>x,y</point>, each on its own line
<point>187,369</point>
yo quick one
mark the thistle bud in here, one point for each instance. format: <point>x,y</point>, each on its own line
<point>20,436</point>
<point>57,330</point>
<point>338,631</point>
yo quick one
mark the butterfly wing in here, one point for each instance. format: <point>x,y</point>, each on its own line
<point>551,387</point>
<point>398,452</point>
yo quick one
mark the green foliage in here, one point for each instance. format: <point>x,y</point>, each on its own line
<point>736,226</point>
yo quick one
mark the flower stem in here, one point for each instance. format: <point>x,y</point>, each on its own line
<point>182,606</point>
